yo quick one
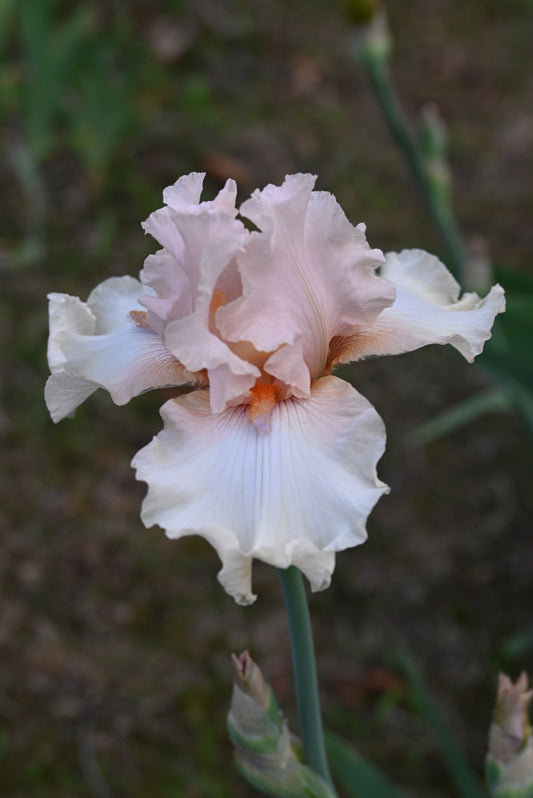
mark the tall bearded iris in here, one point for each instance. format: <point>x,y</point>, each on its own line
<point>271,456</point>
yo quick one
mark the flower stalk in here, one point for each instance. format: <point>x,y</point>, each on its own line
<point>305,672</point>
<point>373,49</point>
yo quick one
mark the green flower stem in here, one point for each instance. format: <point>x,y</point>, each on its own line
<point>378,73</point>
<point>305,674</point>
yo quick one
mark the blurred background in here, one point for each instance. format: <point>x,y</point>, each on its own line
<point>114,642</point>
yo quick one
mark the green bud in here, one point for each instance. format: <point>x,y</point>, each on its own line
<point>372,42</point>
<point>266,753</point>
<point>254,720</point>
<point>509,763</point>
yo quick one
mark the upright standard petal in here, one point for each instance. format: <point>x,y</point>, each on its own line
<point>427,310</point>
<point>106,343</point>
<point>190,277</point>
<point>185,193</point>
<point>168,272</point>
<point>293,496</point>
<point>307,277</point>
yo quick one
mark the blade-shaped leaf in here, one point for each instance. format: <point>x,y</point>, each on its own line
<point>461,414</point>
<point>464,778</point>
<point>359,778</point>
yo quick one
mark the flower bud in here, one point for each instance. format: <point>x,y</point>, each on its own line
<point>265,751</point>
<point>254,720</point>
<point>509,764</point>
<point>372,41</point>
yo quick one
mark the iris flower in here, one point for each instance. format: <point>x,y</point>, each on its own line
<point>270,456</point>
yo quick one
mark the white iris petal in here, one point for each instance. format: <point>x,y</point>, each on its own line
<point>294,496</point>
<point>98,344</point>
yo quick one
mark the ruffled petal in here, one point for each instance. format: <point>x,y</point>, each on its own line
<point>99,344</point>
<point>293,496</point>
<point>308,276</point>
<point>167,272</point>
<point>63,393</point>
<point>184,197</point>
<point>171,286</point>
<point>194,273</point>
<point>427,310</point>
<point>211,241</point>
<point>185,193</point>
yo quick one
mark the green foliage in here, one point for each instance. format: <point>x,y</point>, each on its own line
<point>358,777</point>
<point>70,83</point>
<point>49,55</point>
<point>104,110</point>
<point>509,354</point>
<point>464,779</point>
<point>461,414</point>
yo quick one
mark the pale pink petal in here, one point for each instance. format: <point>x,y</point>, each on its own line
<point>194,273</point>
<point>427,310</point>
<point>308,276</point>
<point>183,198</point>
<point>288,365</point>
<point>171,286</point>
<point>185,195</point>
<point>99,344</point>
<point>295,495</point>
<point>211,241</point>
<point>228,388</point>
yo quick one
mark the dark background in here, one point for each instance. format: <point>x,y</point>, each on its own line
<point>114,642</point>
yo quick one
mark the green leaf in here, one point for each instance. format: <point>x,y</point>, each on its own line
<point>49,48</point>
<point>464,778</point>
<point>508,356</point>
<point>358,777</point>
<point>513,281</point>
<point>515,376</point>
<point>462,413</point>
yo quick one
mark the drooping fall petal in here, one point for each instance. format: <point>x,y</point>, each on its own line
<point>427,310</point>
<point>294,496</point>
<point>105,343</point>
